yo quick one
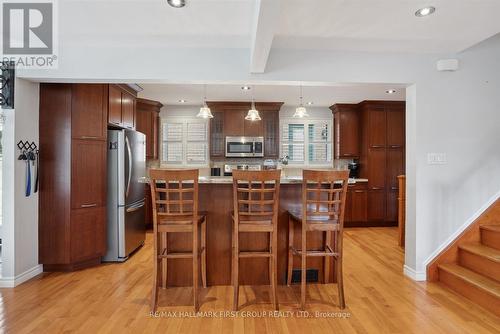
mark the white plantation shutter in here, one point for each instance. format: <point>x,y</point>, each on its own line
<point>293,142</point>
<point>320,141</point>
<point>196,148</point>
<point>172,142</point>
<point>185,142</point>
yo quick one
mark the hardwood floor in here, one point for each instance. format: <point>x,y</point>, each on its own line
<point>114,298</point>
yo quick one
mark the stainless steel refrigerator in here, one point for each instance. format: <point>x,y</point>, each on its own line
<point>126,166</point>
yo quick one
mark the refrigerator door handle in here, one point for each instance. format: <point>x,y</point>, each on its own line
<point>135,207</point>
<point>129,152</point>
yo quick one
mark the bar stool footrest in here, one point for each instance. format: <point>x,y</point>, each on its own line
<point>254,254</point>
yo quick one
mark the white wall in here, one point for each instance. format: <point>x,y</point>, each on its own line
<point>20,223</point>
<point>455,113</point>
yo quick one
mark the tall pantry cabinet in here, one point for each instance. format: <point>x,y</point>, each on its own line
<point>72,195</point>
<point>382,156</point>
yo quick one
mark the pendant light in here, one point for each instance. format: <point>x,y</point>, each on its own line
<point>253,113</point>
<point>205,110</point>
<point>300,111</point>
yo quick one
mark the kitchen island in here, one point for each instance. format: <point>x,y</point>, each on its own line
<point>215,198</point>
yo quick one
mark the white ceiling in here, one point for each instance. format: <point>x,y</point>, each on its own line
<point>263,25</point>
<point>323,96</point>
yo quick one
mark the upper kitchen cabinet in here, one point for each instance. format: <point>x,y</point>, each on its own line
<point>395,120</point>
<point>73,183</point>
<point>121,106</point>
<point>148,122</point>
<point>346,125</point>
<point>229,120</point>
<point>89,111</point>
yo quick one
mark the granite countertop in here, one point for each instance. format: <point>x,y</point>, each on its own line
<point>228,179</point>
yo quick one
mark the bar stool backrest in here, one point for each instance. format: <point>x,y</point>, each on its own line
<point>323,195</point>
<point>174,195</point>
<point>256,195</point>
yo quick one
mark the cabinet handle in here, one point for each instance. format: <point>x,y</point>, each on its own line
<point>89,137</point>
<point>347,154</point>
<point>359,191</point>
<point>395,146</point>
<point>377,146</point>
<point>88,205</point>
<point>394,188</point>
<point>376,188</point>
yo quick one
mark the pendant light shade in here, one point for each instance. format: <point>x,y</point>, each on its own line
<point>253,114</point>
<point>205,110</point>
<point>300,111</point>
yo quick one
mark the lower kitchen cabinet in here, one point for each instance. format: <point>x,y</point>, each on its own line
<point>88,233</point>
<point>376,205</point>
<point>356,205</point>
<point>392,206</point>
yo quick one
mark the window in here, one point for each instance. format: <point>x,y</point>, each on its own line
<point>313,149</point>
<point>184,142</point>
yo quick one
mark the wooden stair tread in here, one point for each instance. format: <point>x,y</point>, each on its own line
<point>482,250</point>
<point>493,228</point>
<point>471,277</point>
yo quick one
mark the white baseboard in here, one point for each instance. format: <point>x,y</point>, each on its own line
<point>462,228</point>
<point>414,275</point>
<point>11,282</point>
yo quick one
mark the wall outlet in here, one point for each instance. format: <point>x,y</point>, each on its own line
<point>436,158</point>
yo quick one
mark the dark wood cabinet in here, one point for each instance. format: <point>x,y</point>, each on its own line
<point>234,123</point>
<point>382,156</point>
<point>115,105</point>
<point>88,173</point>
<point>376,206</point>
<point>229,120</point>
<point>356,210</point>
<point>148,122</point>
<point>128,110</point>
<point>217,140</point>
<point>88,233</point>
<point>72,191</point>
<point>346,130</point>
<point>271,122</point>
<point>121,106</point>
<point>89,111</point>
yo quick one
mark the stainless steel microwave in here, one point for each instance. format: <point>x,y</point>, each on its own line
<point>246,147</point>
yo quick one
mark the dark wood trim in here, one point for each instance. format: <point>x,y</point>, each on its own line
<point>128,89</point>
<point>382,103</point>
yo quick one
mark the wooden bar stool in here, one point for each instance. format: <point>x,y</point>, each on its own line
<point>174,195</point>
<point>256,203</point>
<point>323,202</point>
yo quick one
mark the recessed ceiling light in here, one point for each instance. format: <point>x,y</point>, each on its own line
<point>390,91</point>
<point>245,87</point>
<point>310,103</point>
<point>182,101</point>
<point>177,3</point>
<point>425,11</point>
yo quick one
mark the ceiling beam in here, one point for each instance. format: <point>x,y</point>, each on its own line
<point>266,19</point>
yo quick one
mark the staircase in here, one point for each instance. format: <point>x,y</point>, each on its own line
<point>476,272</point>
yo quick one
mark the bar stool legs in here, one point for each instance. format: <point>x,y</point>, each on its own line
<point>236,261</point>
<point>273,267</point>
<point>164,261</point>
<point>290,252</point>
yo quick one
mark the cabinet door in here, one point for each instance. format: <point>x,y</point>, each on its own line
<point>88,233</point>
<point>89,111</point>
<point>271,134</point>
<point>377,127</point>
<point>115,105</point>
<point>234,123</point>
<point>348,206</point>
<point>359,205</point>
<point>128,110</point>
<point>217,141</point>
<point>88,173</point>
<point>376,168</point>
<point>392,206</point>
<point>145,125</point>
<point>253,128</point>
<point>395,128</point>
<point>376,205</point>
<point>395,166</point>
<point>347,134</point>
<point>156,130</point>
